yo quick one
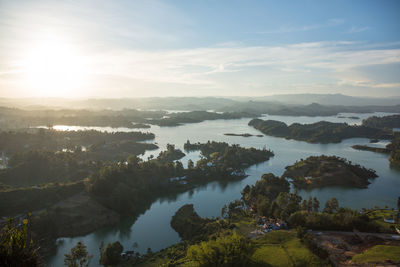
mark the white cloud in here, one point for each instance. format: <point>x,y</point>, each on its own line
<point>231,68</point>
<point>355,29</point>
<point>305,28</point>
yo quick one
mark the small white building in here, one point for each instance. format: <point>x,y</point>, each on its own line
<point>4,161</point>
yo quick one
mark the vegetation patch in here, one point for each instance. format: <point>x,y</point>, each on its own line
<point>283,248</point>
<point>378,254</point>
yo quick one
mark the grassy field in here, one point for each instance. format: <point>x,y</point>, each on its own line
<point>283,248</point>
<point>378,253</point>
<point>244,225</point>
<point>278,248</point>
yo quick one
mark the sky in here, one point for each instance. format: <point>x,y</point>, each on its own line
<point>128,48</point>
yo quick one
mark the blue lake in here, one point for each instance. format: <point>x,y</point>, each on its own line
<point>152,229</point>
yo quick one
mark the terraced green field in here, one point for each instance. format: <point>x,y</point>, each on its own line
<point>283,248</point>
<point>379,253</point>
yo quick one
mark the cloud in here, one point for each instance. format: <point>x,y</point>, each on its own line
<point>305,28</point>
<point>233,68</point>
<point>220,68</point>
<point>355,29</point>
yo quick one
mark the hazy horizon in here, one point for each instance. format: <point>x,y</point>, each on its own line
<point>107,49</point>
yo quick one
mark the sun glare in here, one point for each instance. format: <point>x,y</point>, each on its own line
<point>53,68</point>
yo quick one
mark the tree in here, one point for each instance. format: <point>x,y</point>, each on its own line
<point>398,209</point>
<point>190,164</point>
<point>179,169</point>
<point>234,208</point>
<point>275,210</point>
<point>303,205</point>
<point>263,206</point>
<point>224,211</point>
<point>246,194</point>
<point>310,204</point>
<point>17,247</point>
<point>134,161</point>
<point>229,250</point>
<point>282,200</point>
<point>78,257</point>
<point>398,204</point>
<point>331,205</point>
<point>315,204</point>
<point>170,147</point>
<point>111,255</point>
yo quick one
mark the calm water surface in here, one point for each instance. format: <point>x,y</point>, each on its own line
<point>152,229</point>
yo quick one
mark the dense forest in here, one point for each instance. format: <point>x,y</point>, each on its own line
<point>90,144</point>
<point>391,122</point>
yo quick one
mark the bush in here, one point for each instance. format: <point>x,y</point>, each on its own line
<point>16,246</point>
<point>229,250</point>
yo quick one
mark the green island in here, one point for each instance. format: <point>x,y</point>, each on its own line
<point>323,171</point>
<point>179,118</point>
<point>349,117</point>
<point>319,132</point>
<point>243,135</point>
<point>225,157</point>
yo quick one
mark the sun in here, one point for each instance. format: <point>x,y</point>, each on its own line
<point>54,69</point>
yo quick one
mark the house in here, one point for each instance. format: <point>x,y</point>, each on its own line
<point>129,254</point>
<point>308,179</point>
<point>238,173</point>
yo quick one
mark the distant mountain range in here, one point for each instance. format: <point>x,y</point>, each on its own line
<point>330,99</point>
<point>200,103</point>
